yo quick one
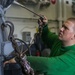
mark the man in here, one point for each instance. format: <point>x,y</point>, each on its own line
<point>62,57</point>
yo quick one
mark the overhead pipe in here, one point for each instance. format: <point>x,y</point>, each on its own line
<point>17,3</point>
<point>59,13</point>
<point>64,10</point>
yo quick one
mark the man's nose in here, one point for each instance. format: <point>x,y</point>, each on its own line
<point>62,28</point>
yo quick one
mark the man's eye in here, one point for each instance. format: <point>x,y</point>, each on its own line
<point>64,27</point>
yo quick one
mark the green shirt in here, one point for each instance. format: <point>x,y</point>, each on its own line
<point>61,61</point>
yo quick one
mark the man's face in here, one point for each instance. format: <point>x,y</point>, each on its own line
<point>67,31</point>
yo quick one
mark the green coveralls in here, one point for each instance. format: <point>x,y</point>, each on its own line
<point>61,60</point>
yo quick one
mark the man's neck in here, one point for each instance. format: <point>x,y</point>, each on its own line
<point>70,43</point>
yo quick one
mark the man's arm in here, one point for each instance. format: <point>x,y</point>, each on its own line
<point>48,37</point>
<point>63,63</point>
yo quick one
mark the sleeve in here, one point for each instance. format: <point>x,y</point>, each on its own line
<point>48,37</point>
<point>58,63</point>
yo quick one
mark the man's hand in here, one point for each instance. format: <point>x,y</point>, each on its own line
<point>42,20</point>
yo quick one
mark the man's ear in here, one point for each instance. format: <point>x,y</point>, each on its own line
<point>74,35</point>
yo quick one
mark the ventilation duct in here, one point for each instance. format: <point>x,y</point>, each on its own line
<point>44,3</point>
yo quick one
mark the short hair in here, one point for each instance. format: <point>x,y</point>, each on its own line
<point>72,19</point>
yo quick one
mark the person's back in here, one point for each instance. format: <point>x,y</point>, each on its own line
<point>11,67</point>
